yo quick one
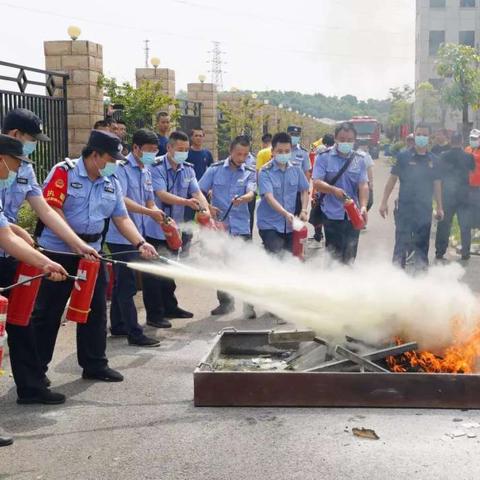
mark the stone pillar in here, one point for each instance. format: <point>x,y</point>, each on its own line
<point>206,94</point>
<point>83,61</point>
<point>165,76</point>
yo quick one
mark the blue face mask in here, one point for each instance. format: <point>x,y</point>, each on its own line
<point>295,140</point>
<point>283,158</point>
<point>108,169</point>
<point>345,147</point>
<point>7,182</point>
<point>180,157</point>
<point>474,143</point>
<point>148,158</point>
<point>421,141</point>
<point>29,148</point>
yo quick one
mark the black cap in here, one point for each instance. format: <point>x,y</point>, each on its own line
<point>13,147</point>
<point>294,130</point>
<point>106,142</point>
<point>25,121</point>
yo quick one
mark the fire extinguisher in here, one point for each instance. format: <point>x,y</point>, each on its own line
<point>299,237</point>
<point>172,234</point>
<point>353,213</point>
<point>22,298</point>
<point>203,219</point>
<point>3,319</point>
<point>82,292</point>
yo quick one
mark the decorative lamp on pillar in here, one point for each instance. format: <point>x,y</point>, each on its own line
<point>202,78</point>
<point>73,32</point>
<point>266,101</point>
<point>280,105</point>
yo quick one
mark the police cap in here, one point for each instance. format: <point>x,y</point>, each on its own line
<point>106,142</point>
<point>13,147</point>
<point>294,130</point>
<point>25,121</point>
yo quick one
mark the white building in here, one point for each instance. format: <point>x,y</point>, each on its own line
<point>444,21</point>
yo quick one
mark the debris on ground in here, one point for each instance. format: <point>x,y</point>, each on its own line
<point>365,433</point>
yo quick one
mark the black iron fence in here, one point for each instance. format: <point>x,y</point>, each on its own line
<point>50,106</point>
<point>190,113</point>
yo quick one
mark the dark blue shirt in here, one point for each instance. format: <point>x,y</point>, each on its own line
<point>162,145</point>
<point>201,160</point>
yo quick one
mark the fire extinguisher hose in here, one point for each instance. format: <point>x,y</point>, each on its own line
<point>29,279</point>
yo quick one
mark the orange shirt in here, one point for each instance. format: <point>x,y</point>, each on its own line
<point>475,175</point>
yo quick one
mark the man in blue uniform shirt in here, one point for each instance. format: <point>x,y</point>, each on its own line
<point>175,187</point>
<point>87,193</point>
<point>337,173</point>
<point>232,185</point>
<point>279,182</point>
<point>418,171</point>
<point>163,127</point>
<point>136,182</point>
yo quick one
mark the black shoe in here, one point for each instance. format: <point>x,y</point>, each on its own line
<point>5,440</point>
<point>46,381</point>
<point>159,323</point>
<point>179,313</point>
<point>105,375</point>
<point>465,258</point>
<point>118,333</point>
<point>43,397</point>
<point>223,309</point>
<point>144,341</point>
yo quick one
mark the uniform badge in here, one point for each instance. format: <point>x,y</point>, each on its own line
<point>22,180</point>
<point>109,189</point>
<point>76,185</point>
<point>59,183</point>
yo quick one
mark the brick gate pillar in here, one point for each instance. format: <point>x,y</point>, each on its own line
<point>83,61</point>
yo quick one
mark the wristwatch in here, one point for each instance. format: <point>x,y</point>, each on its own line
<point>139,244</point>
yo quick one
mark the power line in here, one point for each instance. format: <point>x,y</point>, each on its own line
<point>217,65</point>
<point>147,52</point>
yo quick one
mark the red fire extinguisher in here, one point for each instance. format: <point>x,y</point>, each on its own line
<point>299,237</point>
<point>3,319</point>
<point>353,213</point>
<point>207,221</point>
<point>172,234</point>
<point>82,292</point>
<point>22,298</point>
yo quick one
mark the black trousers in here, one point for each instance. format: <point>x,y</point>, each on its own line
<point>158,292</point>
<point>341,239</point>
<point>251,209</point>
<point>24,359</point>
<point>451,207</point>
<point>276,242</point>
<point>47,314</point>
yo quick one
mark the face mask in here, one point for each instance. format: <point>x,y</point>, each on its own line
<point>29,148</point>
<point>108,169</point>
<point>283,158</point>
<point>148,158</point>
<point>345,147</point>
<point>295,140</point>
<point>421,141</point>
<point>7,182</point>
<point>180,157</point>
<point>474,143</point>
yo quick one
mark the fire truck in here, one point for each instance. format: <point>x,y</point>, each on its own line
<point>368,131</point>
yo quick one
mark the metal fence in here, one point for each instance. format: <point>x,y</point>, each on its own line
<point>51,107</point>
<point>190,113</point>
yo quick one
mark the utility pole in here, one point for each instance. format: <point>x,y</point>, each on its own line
<point>217,65</point>
<point>147,52</point>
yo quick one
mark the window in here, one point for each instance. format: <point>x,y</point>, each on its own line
<point>467,37</point>
<point>467,3</point>
<point>437,3</point>
<point>435,39</point>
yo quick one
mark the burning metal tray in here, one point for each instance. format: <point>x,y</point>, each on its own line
<point>266,368</point>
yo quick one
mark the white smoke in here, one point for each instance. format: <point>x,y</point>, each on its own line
<point>373,301</point>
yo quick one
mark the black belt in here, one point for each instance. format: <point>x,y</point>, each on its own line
<point>90,237</point>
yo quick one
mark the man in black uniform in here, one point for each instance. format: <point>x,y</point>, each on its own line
<point>442,143</point>
<point>455,166</point>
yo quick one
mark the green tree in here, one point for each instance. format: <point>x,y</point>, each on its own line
<point>400,110</point>
<point>459,65</point>
<point>427,103</point>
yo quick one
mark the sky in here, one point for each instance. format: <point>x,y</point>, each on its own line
<point>334,47</point>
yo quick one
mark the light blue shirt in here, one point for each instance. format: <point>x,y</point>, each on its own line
<point>24,187</point>
<point>87,205</point>
<point>181,182</point>
<point>251,160</point>
<point>300,158</point>
<point>226,184</point>
<point>136,184</point>
<point>284,185</point>
<point>327,165</point>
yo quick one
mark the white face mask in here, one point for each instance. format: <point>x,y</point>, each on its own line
<point>475,142</point>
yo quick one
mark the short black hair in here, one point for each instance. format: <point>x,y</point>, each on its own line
<point>121,122</point>
<point>100,124</point>
<point>144,137</point>
<point>346,127</point>
<point>177,135</point>
<point>281,137</point>
<point>110,121</point>
<point>162,114</point>
<point>328,140</point>
<point>242,140</point>
<point>199,129</point>
<point>267,138</point>
<point>423,125</point>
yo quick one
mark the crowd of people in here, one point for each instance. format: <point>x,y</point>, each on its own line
<point>116,196</point>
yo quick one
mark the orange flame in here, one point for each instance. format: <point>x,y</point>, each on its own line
<point>460,357</point>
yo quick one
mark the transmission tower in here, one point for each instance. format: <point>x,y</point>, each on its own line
<point>217,65</point>
<point>147,52</point>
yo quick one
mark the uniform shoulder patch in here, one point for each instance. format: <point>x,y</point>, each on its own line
<point>360,153</point>
<point>268,165</point>
<point>250,169</point>
<point>69,163</point>
<point>188,164</point>
<point>303,148</point>
<point>217,164</point>
<point>158,161</point>
<point>123,163</point>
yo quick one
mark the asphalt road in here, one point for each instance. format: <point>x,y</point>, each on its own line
<point>148,428</point>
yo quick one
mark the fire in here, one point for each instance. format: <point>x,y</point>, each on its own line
<point>460,357</point>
